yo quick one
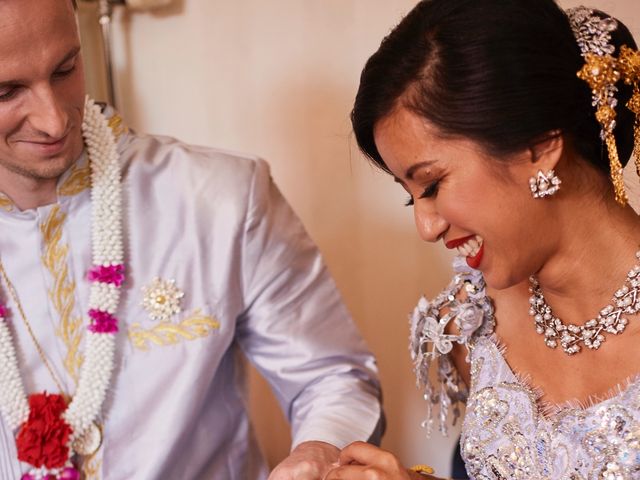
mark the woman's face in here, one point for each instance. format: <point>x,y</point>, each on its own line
<point>480,206</point>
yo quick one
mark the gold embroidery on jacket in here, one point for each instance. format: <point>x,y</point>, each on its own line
<point>78,181</point>
<point>117,126</point>
<point>63,292</point>
<point>197,325</point>
<point>91,467</point>
<point>6,203</point>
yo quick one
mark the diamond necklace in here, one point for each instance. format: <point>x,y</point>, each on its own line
<point>625,301</point>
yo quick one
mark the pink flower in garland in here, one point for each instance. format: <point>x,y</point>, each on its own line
<point>103,322</point>
<point>43,439</point>
<point>3,312</point>
<point>113,274</point>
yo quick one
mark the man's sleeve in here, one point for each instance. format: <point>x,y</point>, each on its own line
<point>297,331</point>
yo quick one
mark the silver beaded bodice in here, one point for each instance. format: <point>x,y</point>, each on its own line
<point>506,433</point>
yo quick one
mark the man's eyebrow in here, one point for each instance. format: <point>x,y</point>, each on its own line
<point>75,51</point>
<point>17,81</point>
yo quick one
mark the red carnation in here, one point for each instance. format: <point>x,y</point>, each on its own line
<point>43,439</point>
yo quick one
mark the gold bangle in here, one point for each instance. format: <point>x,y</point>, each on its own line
<point>422,469</point>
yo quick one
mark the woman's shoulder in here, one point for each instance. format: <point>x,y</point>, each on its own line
<point>458,314</point>
<point>443,330</point>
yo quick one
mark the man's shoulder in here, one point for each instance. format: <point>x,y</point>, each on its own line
<point>154,154</point>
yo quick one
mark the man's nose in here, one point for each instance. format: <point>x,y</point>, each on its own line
<point>46,115</point>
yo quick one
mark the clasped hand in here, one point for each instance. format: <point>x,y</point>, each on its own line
<point>357,461</point>
<point>363,461</point>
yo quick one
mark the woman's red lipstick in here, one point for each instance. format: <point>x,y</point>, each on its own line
<point>474,262</point>
<point>456,242</point>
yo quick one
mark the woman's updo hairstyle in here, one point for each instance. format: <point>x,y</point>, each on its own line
<point>500,72</point>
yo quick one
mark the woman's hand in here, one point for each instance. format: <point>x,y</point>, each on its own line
<point>363,461</point>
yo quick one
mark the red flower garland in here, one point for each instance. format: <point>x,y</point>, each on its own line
<point>43,440</point>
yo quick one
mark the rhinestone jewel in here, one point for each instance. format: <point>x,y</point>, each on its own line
<point>570,337</point>
<point>161,299</point>
<point>544,184</point>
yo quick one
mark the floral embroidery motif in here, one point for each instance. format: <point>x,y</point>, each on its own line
<point>6,203</point>
<point>161,299</point>
<point>79,180</point>
<point>197,325</point>
<point>117,126</point>
<point>91,468</point>
<point>63,292</point>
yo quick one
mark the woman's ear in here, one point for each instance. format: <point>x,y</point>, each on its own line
<point>547,152</point>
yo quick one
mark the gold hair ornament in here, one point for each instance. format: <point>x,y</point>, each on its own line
<point>601,72</point>
<point>629,64</point>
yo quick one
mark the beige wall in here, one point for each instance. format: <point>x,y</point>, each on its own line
<point>277,78</point>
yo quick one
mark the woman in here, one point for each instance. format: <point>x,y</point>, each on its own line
<point>506,121</point>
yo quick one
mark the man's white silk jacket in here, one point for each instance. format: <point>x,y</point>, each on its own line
<point>209,230</point>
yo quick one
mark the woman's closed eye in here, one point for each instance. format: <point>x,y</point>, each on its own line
<point>430,191</point>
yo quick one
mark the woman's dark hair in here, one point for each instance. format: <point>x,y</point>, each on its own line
<point>500,72</point>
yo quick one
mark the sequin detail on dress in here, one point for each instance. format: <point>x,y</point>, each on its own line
<point>464,303</point>
<point>505,434</point>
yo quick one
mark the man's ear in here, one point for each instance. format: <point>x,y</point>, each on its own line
<point>546,153</point>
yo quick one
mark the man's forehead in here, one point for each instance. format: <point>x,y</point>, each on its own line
<point>35,33</point>
<point>12,10</point>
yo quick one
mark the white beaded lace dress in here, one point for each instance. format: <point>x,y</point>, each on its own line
<point>506,433</point>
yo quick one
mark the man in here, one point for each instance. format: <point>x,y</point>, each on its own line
<point>214,263</point>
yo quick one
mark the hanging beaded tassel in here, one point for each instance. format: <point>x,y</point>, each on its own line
<point>601,74</point>
<point>629,64</point>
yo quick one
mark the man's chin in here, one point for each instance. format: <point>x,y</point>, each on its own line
<point>39,169</point>
<point>51,167</point>
<point>54,171</point>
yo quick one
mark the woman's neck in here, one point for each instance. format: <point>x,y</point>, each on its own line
<point>596,250</point>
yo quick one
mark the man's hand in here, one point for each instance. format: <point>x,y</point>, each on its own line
<point>362,461</point>
<point>308,461</point>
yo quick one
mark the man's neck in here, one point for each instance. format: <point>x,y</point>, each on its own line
<point>28,193</point>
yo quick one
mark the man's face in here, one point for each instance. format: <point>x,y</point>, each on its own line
<point>41,90</point>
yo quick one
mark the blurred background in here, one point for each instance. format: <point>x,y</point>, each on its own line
<point>277,78</point>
